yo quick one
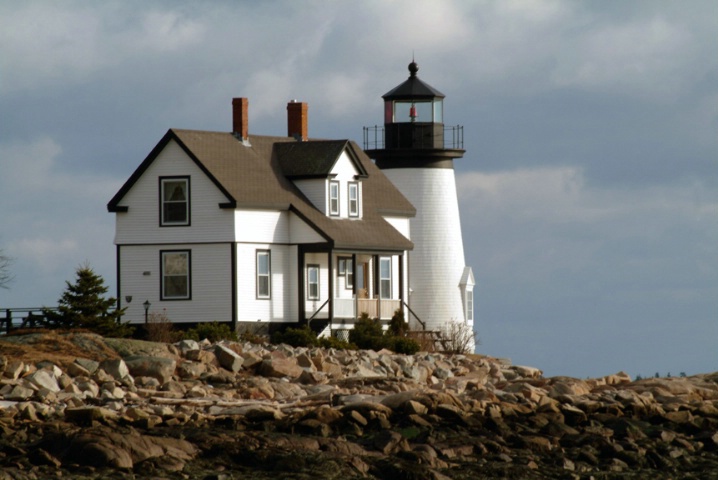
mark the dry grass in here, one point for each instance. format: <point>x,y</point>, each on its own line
<point>58,347</point>
<point>425,339</point>
<point>159,328</point>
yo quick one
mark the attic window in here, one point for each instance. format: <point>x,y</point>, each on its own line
<point>334,198</point>
<point>353,199</point>
<point>174,201</point>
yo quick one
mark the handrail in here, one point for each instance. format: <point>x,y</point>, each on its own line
<point>317,312</point>
<point>423,325</point>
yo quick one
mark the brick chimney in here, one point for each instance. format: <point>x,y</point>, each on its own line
<point>240,122</point>
<point>297,120</point>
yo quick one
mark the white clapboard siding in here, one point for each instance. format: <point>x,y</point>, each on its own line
<point>437,263</point>
<point>278,308</point>
<point>401,224</point>
<point>344,169</point>
<point>300,232</point>
<point>315,189</point>
<point>262,226</point>
<point>211,285</point>
<point>141,223</point>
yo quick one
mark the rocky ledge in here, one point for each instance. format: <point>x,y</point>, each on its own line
<point>130,409</point>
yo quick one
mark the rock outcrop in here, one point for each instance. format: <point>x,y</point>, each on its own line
<point>237,410</point>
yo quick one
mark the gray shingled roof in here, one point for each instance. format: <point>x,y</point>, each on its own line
<point>310,159</point>
<point>255,176</point>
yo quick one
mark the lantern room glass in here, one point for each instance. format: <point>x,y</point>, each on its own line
<point>419,111</point>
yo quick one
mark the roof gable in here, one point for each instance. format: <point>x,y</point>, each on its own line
<point>114,204</point>
<point>313,159</point>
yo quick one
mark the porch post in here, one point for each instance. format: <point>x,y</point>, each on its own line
<point>331,288</point>
<point>402,282</point>
<point>401,278</point>
<point>375,276</point>
<point>354,286</point>
<point>354,273</point>
<point>300,282</point>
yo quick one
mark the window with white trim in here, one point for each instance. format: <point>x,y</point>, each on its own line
<point>313,282</point>
<point>176,281</point>
<point>174,201</point>
<point>385,277</point>
<point>469,305</point>
<point>334,198</point>
<point>349,285</point>
<point>264,274</point>
<point>353,199</point>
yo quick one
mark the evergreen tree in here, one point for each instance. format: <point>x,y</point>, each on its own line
<point>83,305</point>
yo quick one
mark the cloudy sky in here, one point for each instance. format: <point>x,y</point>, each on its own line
<point>588,192</point>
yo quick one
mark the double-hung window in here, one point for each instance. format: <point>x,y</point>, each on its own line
<point>353,199</point>
<point>174,201</point>
<point>176,270</point>
<point>264,274</point>
<point>385,277</point>
<point>313,282</point>
<point>334,198</point>
<point>349,269</point>
<point>345,270</point>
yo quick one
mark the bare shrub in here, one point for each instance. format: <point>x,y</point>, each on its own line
<point>159,328</point>
<point>458,337</point>
<point>425,339</point>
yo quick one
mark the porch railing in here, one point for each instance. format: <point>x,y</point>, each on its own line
<point>374,307</point>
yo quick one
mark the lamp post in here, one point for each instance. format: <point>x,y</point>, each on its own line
<point>147,309</point>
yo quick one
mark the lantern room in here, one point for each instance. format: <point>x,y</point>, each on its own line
<point>414,114</point>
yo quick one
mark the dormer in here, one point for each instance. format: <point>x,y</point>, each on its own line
<point>327,173</point>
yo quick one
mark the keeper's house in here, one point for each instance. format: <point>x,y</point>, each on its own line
<point>232,227</point>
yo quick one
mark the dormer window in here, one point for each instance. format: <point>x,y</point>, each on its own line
<point>334,198</point>
<point>174,201</point>
<point>353,199</point>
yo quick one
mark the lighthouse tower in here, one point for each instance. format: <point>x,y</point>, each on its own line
<point>416,152</point>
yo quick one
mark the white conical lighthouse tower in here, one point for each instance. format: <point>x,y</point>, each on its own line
<point>416,159</point>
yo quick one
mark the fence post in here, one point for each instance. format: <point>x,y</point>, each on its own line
<point>8,320</point>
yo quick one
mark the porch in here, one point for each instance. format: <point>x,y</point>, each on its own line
<point>340,286</point>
